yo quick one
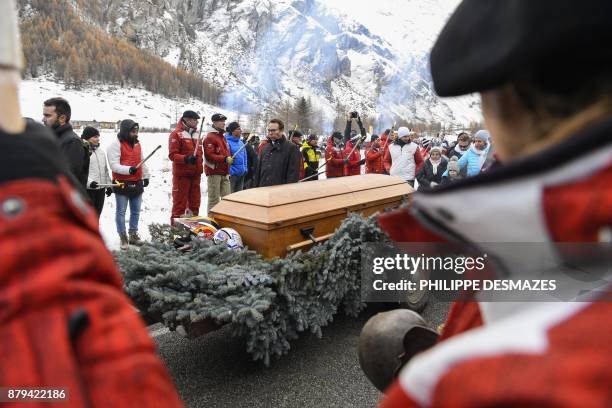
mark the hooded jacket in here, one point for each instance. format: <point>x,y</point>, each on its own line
<point>353,167</point>
<point>473,160</point>
<point>552,353</point>
<point>182,143</point>
<point>124,153</point>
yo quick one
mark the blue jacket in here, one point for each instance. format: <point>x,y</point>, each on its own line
<point>472,160</point>
<point>240,164</point>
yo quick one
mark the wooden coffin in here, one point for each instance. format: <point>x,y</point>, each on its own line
<point>278,219</point>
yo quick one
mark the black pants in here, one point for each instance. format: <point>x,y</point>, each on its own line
<point>97,199</point>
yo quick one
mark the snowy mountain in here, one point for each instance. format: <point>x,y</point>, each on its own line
<point>368,57</point>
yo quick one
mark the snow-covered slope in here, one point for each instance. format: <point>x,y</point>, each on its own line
<point>369,56</point>
<point>111,104</point>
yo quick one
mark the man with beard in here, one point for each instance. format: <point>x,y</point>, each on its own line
<point>124,156</point>
<point>56,116</point>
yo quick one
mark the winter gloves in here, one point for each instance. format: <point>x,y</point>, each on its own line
<point>145,182</point>
<point>191,159</point>
<point>109,191</point>
<point>133,170</point>
<point>229,160</point>
<point>93,185</point>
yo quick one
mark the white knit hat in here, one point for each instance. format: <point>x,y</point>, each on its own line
<point>403,131</point>
<point>10,46</point>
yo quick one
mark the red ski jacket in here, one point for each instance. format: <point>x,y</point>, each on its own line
<point>374,158</point>
<point>353,168</point>
<point>335,160</point>
<point>216,150</point>
<point>550,354</point>
<point>182,143</point>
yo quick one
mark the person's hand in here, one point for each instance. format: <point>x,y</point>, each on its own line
<point>346,161</point>
<point>229,160</point>
<point>109,191</point>
<point>145,182</point>
<point>133,170</point>
<point>362,162</point>
<point>93,185</point>
<point>191,159</point>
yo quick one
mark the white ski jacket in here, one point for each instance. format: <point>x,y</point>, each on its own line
<point>98,169</point>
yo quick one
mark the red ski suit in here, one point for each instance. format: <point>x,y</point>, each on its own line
<point>352,168</point>
<point>374,158</point>
<point>538,354</point>
<point>335,160</point>
<point>185,177</point>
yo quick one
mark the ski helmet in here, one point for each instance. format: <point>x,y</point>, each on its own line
<point>229,237</point>
<point>201,227</point>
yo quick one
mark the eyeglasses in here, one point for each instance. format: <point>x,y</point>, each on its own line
<point>273,130</point>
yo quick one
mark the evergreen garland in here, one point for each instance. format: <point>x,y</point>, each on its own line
<point>267,301</point>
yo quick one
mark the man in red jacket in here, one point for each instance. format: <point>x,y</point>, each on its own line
<point>374,157</point>
<point>218,161</point>
<point>551,121</point>
<point>185,152</point>
<point>334,156</point>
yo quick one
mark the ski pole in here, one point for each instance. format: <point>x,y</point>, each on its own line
<point>148,157</point>
<point>309,177</point>
<point>195,151</point>
<point>243,146</point>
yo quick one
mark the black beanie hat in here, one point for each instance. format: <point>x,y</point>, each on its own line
<point>89,132</point>
<point>190,115</point>
<point>336,135</point>
<point>232,127</point>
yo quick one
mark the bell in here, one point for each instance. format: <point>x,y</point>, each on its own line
<point>388,341</point>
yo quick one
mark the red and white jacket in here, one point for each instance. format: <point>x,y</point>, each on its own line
<point>517,354</point>
<point>216,151</point>
<point>182,143</point>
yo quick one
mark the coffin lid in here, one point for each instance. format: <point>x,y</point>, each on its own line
<point>280,204</point>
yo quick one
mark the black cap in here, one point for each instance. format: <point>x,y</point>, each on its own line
<point>89,132</point>
<point>336,135</point>
<point>296,133</point>
<point>217,117</point>
<point>486,44</point>
<point>190,115</point>
<point>232,126</point>
<point>374,137</point>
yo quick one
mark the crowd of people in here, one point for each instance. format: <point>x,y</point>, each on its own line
<point>234,161</point>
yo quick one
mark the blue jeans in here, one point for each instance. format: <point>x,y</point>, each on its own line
<point>122,204</point>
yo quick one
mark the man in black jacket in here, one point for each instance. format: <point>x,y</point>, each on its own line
<point>251,159</point>
<point>56,116</point>
<point>280,160</point>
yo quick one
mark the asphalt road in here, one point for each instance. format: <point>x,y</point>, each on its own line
<point>216,371</point>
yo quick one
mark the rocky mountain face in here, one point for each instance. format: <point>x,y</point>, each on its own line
<point>263,51</point>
